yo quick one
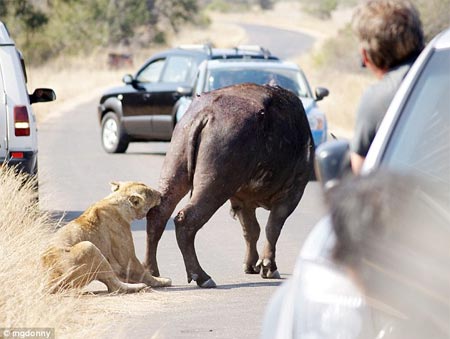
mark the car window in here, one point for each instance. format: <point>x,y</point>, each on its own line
<point>420,142</point>
<point>179,68</point>
<point>152,72</point>
<point>287,78</point>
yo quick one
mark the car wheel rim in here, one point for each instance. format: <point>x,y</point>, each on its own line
<point>110,133</point>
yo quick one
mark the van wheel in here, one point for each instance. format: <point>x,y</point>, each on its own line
<point>114,139</point>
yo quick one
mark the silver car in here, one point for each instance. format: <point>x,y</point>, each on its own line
<point>214,74</point>
<point>321,300</point>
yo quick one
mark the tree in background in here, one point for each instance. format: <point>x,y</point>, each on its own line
<point>44,29</point>
<point>176,12</point>
<point>23,19</point>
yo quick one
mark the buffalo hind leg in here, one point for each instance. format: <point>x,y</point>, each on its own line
<point>251,231</point>
<point>157,219</point>
<point>277,217</point>
<point>187,223</point>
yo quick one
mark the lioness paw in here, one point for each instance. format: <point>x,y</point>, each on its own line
<point>161,282</point>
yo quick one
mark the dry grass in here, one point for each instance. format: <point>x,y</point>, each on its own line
<point>24,297</point>
<point>25,301</point>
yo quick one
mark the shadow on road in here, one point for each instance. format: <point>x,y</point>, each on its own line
<point>148,148</point>
<point>141,225</point>
<point>163,154</point>
<point>265,283</point>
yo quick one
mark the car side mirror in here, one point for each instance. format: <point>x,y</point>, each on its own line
<point>42,95</point>
<point>321,92</point>
<point>184,91</point>
<point>332,162</point>
<point>128,79</point>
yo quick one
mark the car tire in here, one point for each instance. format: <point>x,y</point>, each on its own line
<point>114,138</point>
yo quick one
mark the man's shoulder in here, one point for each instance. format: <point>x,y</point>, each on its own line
<point>388,85</point>
<point>379,95</point>
<point>393,78</point>
<point>375,100</point>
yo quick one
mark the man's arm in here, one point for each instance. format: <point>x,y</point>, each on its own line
<point>357,162</point>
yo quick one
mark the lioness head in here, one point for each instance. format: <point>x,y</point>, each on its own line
<point>140,196</point>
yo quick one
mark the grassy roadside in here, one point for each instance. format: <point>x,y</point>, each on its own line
<point>24,299</point>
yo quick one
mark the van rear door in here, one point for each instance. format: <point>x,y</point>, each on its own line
<point>3,121</point>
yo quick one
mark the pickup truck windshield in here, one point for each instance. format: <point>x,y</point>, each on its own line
<point>420,142</point>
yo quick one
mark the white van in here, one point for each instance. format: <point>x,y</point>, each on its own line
<point>18,139</point>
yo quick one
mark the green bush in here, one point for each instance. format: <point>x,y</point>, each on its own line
<point>320,8</point>
<point>339,52</point>
<point>219,6</point>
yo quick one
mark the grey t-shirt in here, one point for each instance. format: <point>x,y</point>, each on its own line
<point>373,106</point>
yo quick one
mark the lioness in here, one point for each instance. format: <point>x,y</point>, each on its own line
<point>98,245</point>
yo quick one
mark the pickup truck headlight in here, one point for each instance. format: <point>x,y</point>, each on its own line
<point>319,302</point>
<point>332,305</point>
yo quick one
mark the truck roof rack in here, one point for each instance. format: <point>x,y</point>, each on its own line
<point>238,52</point>
<point>199,47</point>
<point>253,49</point>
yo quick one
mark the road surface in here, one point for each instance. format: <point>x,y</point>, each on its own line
<point>75,172</point>
<point>283,43</point>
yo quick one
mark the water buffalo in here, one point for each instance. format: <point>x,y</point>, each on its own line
<point>247,143</point>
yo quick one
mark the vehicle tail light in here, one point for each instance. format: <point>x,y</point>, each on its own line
<point>17,155</point>
<point>21,121</point>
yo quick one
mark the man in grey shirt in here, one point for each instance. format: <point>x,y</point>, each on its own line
<point>390,37</point>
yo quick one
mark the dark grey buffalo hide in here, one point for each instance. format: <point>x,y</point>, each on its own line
<point>246,143</point>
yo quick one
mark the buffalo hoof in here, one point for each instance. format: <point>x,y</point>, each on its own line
<point>251,269</point>
<point>271,274</point>
<point>207,284</point>
<point>267,271</point>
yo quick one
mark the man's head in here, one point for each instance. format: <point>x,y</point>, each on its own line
<point>389,31</point>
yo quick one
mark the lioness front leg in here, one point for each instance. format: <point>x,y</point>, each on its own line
<point>136,272</point>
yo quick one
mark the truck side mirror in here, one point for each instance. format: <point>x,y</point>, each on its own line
<point>332,162</point>
<point>42,95</point>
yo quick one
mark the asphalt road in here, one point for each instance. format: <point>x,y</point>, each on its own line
<point>75,172</point>
<point>283,43</point>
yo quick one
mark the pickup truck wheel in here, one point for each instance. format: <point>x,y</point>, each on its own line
<point>114,139</point>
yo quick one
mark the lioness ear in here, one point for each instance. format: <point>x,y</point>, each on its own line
<point>114,185</point>
<point>135,200</point>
